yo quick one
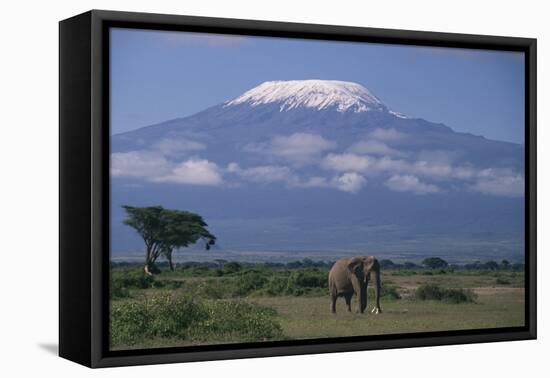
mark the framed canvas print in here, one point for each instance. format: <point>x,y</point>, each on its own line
<point>233,188</point>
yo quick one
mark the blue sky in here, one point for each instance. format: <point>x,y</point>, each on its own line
<point>157,76</point>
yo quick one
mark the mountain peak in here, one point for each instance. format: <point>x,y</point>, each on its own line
<point>342,96</point>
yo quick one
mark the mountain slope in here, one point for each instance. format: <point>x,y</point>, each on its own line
<point>318,164</point>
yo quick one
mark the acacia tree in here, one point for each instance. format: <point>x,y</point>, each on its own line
<point>164,230</point>
<point>434,263</point>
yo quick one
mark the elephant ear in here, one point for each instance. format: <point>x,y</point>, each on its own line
<point>355,263</point>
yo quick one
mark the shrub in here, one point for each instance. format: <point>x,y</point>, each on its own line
<point>437,293</point>
<point>212,289</point>
<point>502,281</point>
<point>238,320</point>
<point>167,284</point>
<point>308,278</point>
<point>249,282</point>
<point>390,292</point>
<point>134,278</point>
<point>170,317</point>
<point>135,322</point>
<point>124,279</point>
<point>459,295</point>
<point>118,291</point>
<point>276,285</point>
<point>231,267</point>
<point>129,322</point>
<point>301,282</point>
<point>429,292</point>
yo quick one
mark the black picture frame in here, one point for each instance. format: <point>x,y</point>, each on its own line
<point>84,187</point>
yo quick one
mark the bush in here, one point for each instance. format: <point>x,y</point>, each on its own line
<point>429,292</point>
<point>437,293</point>
<point>249,282</point>
<point>308,278</point>
<point>134,278</point>
<point>305,281</point>
<point>118,291</point>
<point>459,296</point>
<point>135,322</point>
<point>276,285</point>
<point>230,320</point>
<point>167,284</point>
<point>212,288</point>
<point>502,281</point>
<point>129,322</point>
<point>231,267</point>
<point>124,279</point>
<point>170,317</point>
<point>390,292</point>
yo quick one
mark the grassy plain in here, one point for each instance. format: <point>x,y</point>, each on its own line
<point>205,305</point>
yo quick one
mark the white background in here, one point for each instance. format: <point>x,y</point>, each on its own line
<point>29,190</point>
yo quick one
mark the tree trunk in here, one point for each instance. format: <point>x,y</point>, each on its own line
<point>149,262</point>
<point>147,266</point>
<point>169,258</point>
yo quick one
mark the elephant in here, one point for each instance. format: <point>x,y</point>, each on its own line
<point>350,275</point>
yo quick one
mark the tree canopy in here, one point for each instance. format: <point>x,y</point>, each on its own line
<point>434,263</point>
<point>164,230</point>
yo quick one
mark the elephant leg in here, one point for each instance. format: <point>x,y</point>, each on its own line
<point>348,301</point>
<point>333,298</point>
<point>377,285</point>
<point>363,299</point>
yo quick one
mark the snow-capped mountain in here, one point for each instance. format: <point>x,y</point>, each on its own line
<point>341,96</point>
<point>313,164</point>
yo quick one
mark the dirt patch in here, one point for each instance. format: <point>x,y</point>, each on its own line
<point>498,290</point>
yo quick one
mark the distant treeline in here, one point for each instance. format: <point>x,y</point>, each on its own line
<point>386,264</point>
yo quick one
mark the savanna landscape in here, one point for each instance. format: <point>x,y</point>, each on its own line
<point>259,186</point>
<point>228,302</point>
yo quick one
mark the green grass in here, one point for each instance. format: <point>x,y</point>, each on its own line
<point>207,305</point>
<point>310,317</point>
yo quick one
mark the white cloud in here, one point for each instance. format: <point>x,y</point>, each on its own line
<point>408,183</point>
<point>464,172</point>
<point>194,172</point>
<point>138,164</point>
<point>346,162</point>
<point>263,173</point>
<point>155,168</point>
<point>298,148</point>
<point>349,182</point>
<point>313,182</point>
<point>432,169</point>
<point>374,147</point>
<point>387,164</point>
<point>440,169</point>
<point>499,182</point>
